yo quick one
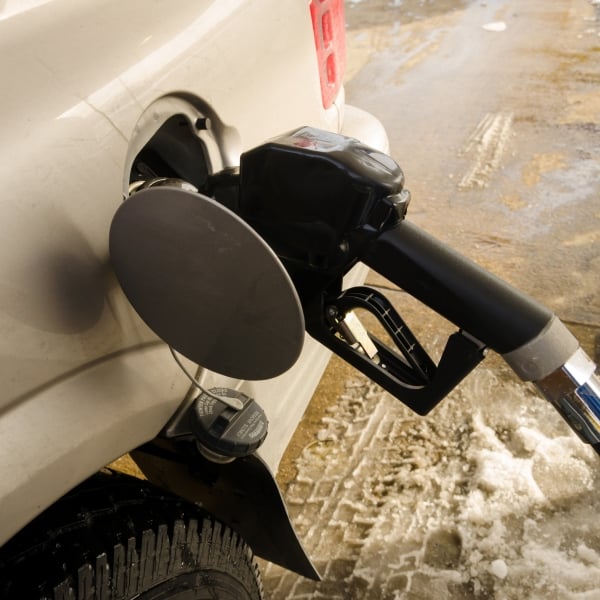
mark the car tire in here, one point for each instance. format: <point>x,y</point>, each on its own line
<point>116,537</point>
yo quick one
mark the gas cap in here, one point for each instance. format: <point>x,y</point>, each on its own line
<point>230,428</point>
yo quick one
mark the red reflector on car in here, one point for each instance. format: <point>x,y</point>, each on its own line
<point>330,41</point>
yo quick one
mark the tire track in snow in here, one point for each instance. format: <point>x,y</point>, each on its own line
<point>487,144</point>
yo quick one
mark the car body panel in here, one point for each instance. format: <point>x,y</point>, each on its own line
<point>84,380</point>
<point>67,129</point>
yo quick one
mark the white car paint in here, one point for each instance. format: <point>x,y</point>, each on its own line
<point>85,85</point>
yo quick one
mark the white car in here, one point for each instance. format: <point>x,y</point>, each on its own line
<point>99,95</point>
<point>185,193</point>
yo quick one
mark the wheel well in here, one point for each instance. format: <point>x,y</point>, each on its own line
<point>242,494</point>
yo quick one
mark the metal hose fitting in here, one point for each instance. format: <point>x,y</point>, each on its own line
<point>574,390</point>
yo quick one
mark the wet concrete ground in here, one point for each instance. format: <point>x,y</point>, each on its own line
<point>493,111</point>
<point>498,134</point>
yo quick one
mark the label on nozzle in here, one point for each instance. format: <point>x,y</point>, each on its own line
<point>590,398</point>
<point>581,409</point>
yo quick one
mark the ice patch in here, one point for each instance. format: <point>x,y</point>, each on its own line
<point>496,26</point>
<point>498,471</point>
<point>587,554</point>
<point>499,569</point>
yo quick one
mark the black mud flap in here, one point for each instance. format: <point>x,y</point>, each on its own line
<point>243,494</point>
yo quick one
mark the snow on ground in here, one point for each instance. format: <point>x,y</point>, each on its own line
<point>490,496</point>
<point>518,502</point>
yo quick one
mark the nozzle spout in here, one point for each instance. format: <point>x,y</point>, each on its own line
<point>574,390</point>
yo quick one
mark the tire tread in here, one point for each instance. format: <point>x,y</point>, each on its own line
<point>115,537</point>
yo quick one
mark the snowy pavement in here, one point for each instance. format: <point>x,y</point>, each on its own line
<point>491,498</point>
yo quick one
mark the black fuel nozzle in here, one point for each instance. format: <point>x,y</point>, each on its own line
<point>324,202</point>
